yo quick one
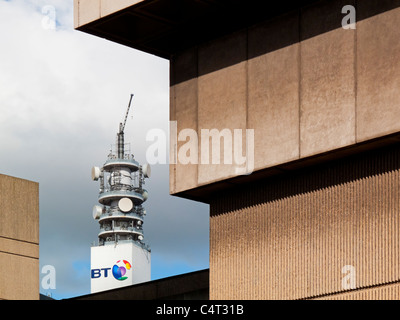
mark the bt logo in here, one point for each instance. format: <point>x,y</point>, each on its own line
<point>118,271</point>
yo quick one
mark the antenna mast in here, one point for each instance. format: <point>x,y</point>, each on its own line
<point>121,140</point>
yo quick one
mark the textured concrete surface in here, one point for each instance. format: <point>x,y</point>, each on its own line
<point>382,292</point>
<point>327,81</point>
<point>86,11</point>
<point>378,75</point>
<point>19,239</point>
<point>273,90</point>
<point>184,110</point>
<point>302,82</point>
<point>290,237</point>
<point>19,205</point>
<point>222,102</point>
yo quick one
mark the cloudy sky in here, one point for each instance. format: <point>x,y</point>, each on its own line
<point>63,94</point>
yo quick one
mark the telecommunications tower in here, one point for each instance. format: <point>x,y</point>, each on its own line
<point>121,257</point>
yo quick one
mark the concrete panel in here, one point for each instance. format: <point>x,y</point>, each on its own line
<point>19,238</point>
<point>76,14</point>
<point>20,277</point>
<point>273,82</point>
<point>19,209</point>
<point>184,111</point>
<point>327,79</point>
<point>88,11</point>
<point>19,248</point>
<point>378,74</point>
<point>222,102</point>
<point>111,6</point>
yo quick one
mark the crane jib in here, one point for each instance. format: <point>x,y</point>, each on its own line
<point>122,127</point>
<point>121,140</point>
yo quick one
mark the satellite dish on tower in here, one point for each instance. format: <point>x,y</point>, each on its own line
<point>96,173</point>
<point>125,205</point>
<point>146,170</point>
<point>145,195</point>
<point>97,211</point>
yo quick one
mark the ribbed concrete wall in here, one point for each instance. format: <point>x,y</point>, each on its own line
<point>291,237</point>
<point>385,292</point>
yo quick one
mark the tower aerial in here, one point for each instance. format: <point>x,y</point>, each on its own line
<point>121,257</point>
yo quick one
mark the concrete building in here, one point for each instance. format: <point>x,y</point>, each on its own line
<point>319,217</point>
<point>190,286</point>
<point>19,239</point>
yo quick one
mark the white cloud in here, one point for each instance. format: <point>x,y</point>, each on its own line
<point>62,96</point>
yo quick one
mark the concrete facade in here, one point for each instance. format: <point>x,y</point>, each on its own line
<point>19,239</point>
<point>291,236</point>
<point>305,91</point>
<point>323,102</point>
<point>87,11</point>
